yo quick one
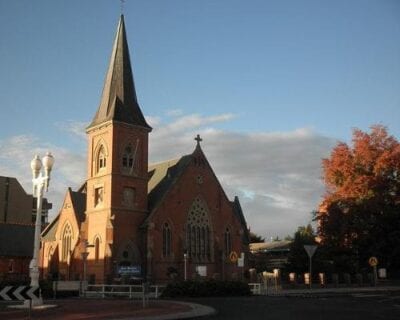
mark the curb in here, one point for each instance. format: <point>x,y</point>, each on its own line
<point>323,293</point>
<point>197,311</point>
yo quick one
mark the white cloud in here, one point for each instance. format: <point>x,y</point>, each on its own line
<point>76,128</point>
<point>275,174</point>
<point>174,112</point>
<point>69,167</point>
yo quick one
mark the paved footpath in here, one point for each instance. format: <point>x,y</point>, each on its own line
<point>73,309</point>
<point>333,291</point>
<point>228,308</point>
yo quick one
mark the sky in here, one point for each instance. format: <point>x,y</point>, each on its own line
<point>271,86</point>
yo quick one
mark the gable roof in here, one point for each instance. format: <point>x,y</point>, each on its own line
<point>119,100</point>
<point>78,200</point>
<point>16,240</point>
<point>163,176</point>
<point>237,210</point>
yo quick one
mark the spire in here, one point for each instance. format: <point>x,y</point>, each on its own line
<point>118,100</point>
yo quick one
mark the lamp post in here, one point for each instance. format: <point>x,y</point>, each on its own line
<point>40,181</point>
<point>185,265</point>
<point>84,255</point>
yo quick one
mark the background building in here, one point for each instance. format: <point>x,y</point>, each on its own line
<point>17,216</point>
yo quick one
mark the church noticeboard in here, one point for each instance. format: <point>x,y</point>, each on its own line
<point>130,270</point>
<point>202,271</point>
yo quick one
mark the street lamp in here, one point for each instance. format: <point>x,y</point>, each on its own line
<point>185,265</point>
<point>40,181</point>
<point>84,255</point>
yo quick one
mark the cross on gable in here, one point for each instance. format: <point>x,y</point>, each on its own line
<point>198,139</point>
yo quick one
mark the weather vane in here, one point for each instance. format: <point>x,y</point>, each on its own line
<point>122,6</point>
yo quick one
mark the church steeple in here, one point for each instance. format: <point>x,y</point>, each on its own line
<point>118,100</point>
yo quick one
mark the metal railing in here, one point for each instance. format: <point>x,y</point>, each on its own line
<point>130,291</point>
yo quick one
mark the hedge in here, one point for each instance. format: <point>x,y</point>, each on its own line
<point>208,288</point>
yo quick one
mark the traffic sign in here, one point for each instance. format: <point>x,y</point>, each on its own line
<point>310,249</point>
<point>373,261</point>
<point>19,293</point>
<point>233,256</point>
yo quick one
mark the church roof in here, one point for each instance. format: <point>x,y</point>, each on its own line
<point>163,175</point>
<point>237,209</point>
<point>119,100</point>
<point>79,203</point>
<point>16,240</point>
<point>49,233</point>
<point>78,200</point>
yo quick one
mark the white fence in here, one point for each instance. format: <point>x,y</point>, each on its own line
<point>105,290</point>
<point>269,284</point>
<point>130,291</point>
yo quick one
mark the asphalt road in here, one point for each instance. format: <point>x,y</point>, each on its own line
<point>357,306</point>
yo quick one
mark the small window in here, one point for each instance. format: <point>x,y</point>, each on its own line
<point>97,249</point>
<point>128,158</point>
<point>98,196</point>
<point>166,240</point>
<point>129,196</point>
<point>101,159</point>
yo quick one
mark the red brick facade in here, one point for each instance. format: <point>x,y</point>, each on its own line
<point>141,220</point>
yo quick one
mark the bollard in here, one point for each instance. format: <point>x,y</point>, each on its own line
<point>321,277</point>
<point>292,279</point>
<point>307,278</point>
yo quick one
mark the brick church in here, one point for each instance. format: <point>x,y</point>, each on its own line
<point>131,219</point>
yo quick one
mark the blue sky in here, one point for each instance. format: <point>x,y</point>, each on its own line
<point>256,72</point>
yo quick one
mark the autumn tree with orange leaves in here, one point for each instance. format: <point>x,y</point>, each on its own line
<point>360,212</point>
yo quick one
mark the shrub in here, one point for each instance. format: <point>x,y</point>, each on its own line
<point>208,288</point>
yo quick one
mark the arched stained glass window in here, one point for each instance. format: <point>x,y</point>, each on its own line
<point>198,235</point>
<point>66,243</point>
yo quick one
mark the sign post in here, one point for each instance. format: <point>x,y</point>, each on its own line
<point>310,249</point>
<point>233,257</point>
<point>240,263</point>
<point>373,262</point>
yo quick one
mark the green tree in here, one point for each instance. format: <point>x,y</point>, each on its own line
<point>255,238</point>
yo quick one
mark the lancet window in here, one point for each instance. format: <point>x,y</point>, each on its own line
<point>97,249</point>
<point>167,237</point>
<point>128,158</point>
<point>66,243</point>
<point>101,158</point>
<point>227,242</point>
<point>198,234</point>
